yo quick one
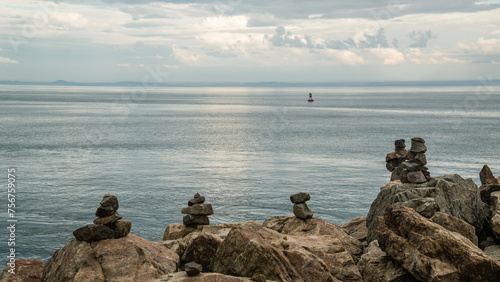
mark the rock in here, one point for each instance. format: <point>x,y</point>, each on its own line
<point>122,228</point>
<point>396,174</point>
<point>418,145</point>
<point>109,205</point>
<point>129,258</point>
<point>356,228</point>
<point>197,199</point>
<point>420,158</point>
<point>192,268</point>
<point>300,198</point>
<point>429,251</point>
<point>486,176</point>
<point>390,184</point>
<point>26,270</point>
<point>251,249</point>
<point>198,209</point>
<point>176,231</point>
<point>493,251</point>
<point>486,243</point>
<point>202,250</point>
<point>109,219</point>
<point>105,211</point>
<point>391,157</point>
<point>450,194</point>
<point>485,192</point>
<point>416,177</point>
<point>202,277</point>
<point>314,227</point>
<point>375,265</point>
<point>413,166</point>
<point>456,225</point>
<point>302,211</point>
<point>400,144</point>
<point>94,232</point>
<point>259,278</point>
<point>195,220</point>
<point>495,214</point>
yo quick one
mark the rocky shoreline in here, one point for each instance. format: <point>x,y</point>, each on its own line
<point>419,228</point>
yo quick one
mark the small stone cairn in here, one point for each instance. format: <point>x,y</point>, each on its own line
<point>300,208</point>
<point>108,224</point>
<point>197,212</point>
<point>408,165</point>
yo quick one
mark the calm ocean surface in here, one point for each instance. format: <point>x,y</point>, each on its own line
<point>245,149</point>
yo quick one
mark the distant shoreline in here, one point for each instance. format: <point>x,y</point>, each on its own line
<point>265,84</point>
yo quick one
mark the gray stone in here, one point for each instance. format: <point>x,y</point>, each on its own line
<point>413,166</point>
<point>486,176</point>
<point>416,177</point>
<point>195,220</point>
<point>197,199</point>
<point>302,211</point>
<point>400,144</point>
<point>93,232</point>
<point>109,219</point>
<point>122,228</point>
<point>420,157</point>
<point>493,251</point>
<point>300,198</point>
<point>418,145</point>
<point>456,225</point>
<point>192,268</point>
<point>198,209</point>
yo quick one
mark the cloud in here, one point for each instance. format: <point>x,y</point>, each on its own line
<point>420,38</point>
<point>185,55</point>
<point>284,38</point>
<point>391,56</point>
<point>72,19</point>
<point>7,61</point>
<point>434,58</point>
<point>482,46</point>
<point>123,65</point>
<point>347,57</point>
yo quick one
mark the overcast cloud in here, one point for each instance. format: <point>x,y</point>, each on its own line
<point>238,41</point>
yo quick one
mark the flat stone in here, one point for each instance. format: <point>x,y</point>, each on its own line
<point>418,145</point>
<point>413,166</point>
<point>420,157</point>
<point>198,209</point>
<point>195,220</point>
<point>109,219</point>
<point>302,211</point>
<point>105,211</point>
<point>416,177</point>
<point>391,156</point>
<point>493,251</point>
<point>192,268</point>
<point>122,228</point>
<point>93,232</point>
<point>300,198</point>
<point>197,199</point>
<point>456,225</point>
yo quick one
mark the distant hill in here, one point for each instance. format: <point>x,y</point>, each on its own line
<point>260,84</point>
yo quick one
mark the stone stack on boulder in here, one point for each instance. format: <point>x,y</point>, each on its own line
<point>108,224</point>
<point>300,209</point>
<point>408,166</point>
<point>197,212</point>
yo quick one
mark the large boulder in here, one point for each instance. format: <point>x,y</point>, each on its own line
<point>495,212</point>
<point>429,251</point>
<point>202,277</point>
<point>251,249</point>
<point>375,265</point>
<point>450,194</point>
<point>456,225</point>
<point>129,258</point>
<point>26,270</point>
<point>201,250</point>
<point>356,228</point>
<point>314,226</point>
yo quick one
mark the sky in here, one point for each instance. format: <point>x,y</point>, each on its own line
<point>249,41</point>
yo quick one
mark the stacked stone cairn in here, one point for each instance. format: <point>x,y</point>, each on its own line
<point>408,166</point>
<point>108,224</point>
<point>197,212</point>
<point>300,209</point>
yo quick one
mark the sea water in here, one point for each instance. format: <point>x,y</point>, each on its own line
<point>245,149</point>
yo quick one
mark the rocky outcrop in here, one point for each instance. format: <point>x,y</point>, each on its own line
<point>251,249</point>
<point>129,258</point>
<point>313,227</point>
<point>456,225</point>
<point>375,265</point>
<point>356,228</point>
<point>495,212</point>
<point>450,194</point>
<point>25,270</point>
<point>108,224</point>
<point>489,184</point>
<point>300,208</point>
<point>493,251</point>
<point>430,252</point>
